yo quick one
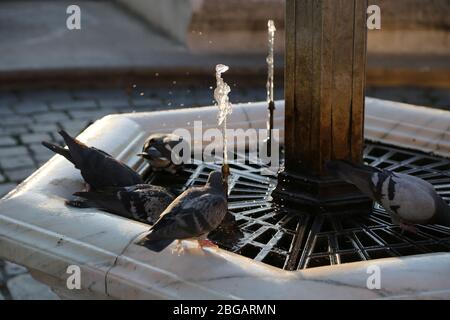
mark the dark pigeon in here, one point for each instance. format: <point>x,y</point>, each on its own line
<point>142,202</point>
<point>98,168</point>
<point>193,214</point>
<point>409,200</point>
<point>157,150</point>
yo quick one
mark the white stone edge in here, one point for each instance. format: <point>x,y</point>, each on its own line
<point>31,225</point>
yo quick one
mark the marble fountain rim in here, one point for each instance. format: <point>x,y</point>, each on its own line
<point>34,228</point>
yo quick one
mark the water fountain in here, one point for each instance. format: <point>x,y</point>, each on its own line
<point>270,81</point>
<point>221,96</point>
<point>325,223</point>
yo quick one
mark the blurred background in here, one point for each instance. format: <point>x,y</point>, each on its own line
<point>148,55</point>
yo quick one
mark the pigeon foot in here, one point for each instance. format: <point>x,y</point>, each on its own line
<point>409,228</point>
<point>206,243</point>
<point>179,248</point>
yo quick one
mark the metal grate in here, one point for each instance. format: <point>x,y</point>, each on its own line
<point>295,239</point>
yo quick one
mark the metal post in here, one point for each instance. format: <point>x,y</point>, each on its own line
<point>324,100</point>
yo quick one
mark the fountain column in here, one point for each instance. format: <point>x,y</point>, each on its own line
<point>324,100</point>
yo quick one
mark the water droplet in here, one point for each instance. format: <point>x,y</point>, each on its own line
<point>156,74</point>
<point>174,82</point>
<point>141,94</point>
<point>134,86</point>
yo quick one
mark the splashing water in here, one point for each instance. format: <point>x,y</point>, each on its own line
<point>270,60</point>
<point>223,103</point>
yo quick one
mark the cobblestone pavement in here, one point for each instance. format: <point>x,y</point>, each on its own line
<point>29,116</point>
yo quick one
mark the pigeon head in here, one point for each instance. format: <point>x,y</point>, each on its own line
<point>215,180</point>
<point>150,153</point>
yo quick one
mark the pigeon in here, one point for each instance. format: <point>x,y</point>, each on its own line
<point>142,202</point>
<point>98,168</point>
<point>408,200</point>
<point>157,150</point>
<point>192,215</point>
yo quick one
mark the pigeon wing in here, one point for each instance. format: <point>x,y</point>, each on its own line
<point>146,202</point>
<point>193,216</point>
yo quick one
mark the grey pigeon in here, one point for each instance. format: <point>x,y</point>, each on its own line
<point>193,214</point>
<point>409,200</point>
<point>157,150</point>
<point>98,168</point>
<point>142,202</point>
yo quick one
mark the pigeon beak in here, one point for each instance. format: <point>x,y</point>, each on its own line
<point>151,153</point>
<point>144,155</point>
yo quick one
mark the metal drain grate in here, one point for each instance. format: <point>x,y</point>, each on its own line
<point>295,239</point>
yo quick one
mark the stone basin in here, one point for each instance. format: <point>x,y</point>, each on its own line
<point>38,231</point>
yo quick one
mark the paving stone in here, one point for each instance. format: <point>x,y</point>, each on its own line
<point>24,287</point>
<point>7,97</point>
<point>114,103</point>
<point>47,95</point>
<point>91,115</point>
<point>38,149</point>
<point>44,127</point>
<point>42,158</point>
<point>6,187</point>
<point>30,138</point>
<point>7,141</point>
<point>15,120</point>
<point>57,139</point>
<point>30,107</point>
<point>146,102</point>
<point>6,111</point>
<point>13,151</point>
<point>73,127</point>
<point>16,162</point>
<point>51,117</point>
<point>12,130</point>
<point>18,175</point>
<point>99,94</point>
<point>74,104</point>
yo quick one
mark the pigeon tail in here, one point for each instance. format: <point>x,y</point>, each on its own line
<point>69,140</point>
<point>59,150</point>
<point>358,174</point>
<point>77,149</point>
<point>104,200</point>
<point>442,216</point>
<point>156,246</point>
<point>94,195</point>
